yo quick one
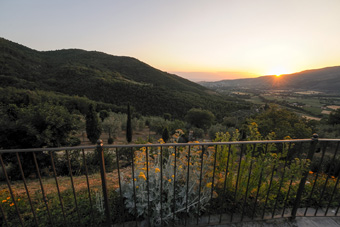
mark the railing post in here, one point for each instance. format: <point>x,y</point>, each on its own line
<point>100,152</point>
<point>310,155</point>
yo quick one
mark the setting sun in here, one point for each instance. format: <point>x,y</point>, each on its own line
<point>278,71</point>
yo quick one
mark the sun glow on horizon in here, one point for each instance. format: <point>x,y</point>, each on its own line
<point>278,71</point>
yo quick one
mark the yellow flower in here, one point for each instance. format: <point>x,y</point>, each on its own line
<point>311,172</point>
<point>12,204</point>
<point>157,170</point>
<point>142,175</point>
<point>3,201</point>
<point>137,187</point>
<point>8,198</point>
<point>134,179</point>
<point>173,154</point>
<point>169,180</point>
<point>18,199</point>
<point>209,185</point>
<point>173,176</point>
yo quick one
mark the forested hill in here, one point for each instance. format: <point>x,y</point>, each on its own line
<point>325,79</point>
<point>105,78</point>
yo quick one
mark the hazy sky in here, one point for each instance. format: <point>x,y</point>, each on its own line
<point>220,37</point>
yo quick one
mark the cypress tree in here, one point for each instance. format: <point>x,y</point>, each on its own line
<point>165,134</point>
<point>93,127</point>
<point>128,126</point>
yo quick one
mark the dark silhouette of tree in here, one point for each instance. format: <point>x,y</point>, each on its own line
<point>334,117</point>
<point>128,126</point>
<point>165,134</point>
<point>93,127</point>
<point>103,114</point>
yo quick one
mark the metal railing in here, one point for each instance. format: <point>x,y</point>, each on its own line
<point>171,184</point>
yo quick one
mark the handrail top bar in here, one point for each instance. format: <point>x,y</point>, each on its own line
<point>163,145</point>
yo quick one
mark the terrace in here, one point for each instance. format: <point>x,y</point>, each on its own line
<point>170,183</point>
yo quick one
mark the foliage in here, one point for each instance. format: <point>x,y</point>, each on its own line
<point>128,126</point>
<point>93,126</point>
<point>90,216</point>
<point>200,118</point>
<point>334,117</point>
<point>165,134</point>
<point>215,129</point>
<point>132,81</point>
<point>36,126</point>
<point>283,122</point>
<point>239,169</point>
<point>103,114</point>
<point>156,170</point>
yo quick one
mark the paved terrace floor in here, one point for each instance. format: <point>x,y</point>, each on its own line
<point>300,221</point>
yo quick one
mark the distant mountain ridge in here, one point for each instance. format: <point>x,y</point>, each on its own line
<point>324,79</point>
<point>105,78</point>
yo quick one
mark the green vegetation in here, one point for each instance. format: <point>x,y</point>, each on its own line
<point>111,80</point>
<point>93,127</point>
<point>128,126</point>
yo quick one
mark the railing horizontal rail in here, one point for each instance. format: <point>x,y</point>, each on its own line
<point>162,145</point>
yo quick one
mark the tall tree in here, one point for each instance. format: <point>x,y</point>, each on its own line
<point>128,125</point>
<point>165,134</point>
<point>93,127</point>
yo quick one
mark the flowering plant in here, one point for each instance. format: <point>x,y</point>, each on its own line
<point>169,182</point>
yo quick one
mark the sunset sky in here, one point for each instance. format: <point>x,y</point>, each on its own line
<point>196,39</point>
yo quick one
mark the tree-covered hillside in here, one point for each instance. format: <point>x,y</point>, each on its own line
<point>107,79</point>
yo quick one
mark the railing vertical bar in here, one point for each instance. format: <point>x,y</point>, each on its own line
<point>187,191</point>
<point>333,193</point>
<point>200,185</point>
<point>290,186</point>
<point>119,183</point>
<point>237,179</point>
<point>213,179</point>
<point>282,176</point>
<point>310,156</point>
<point>326,182</point>
<point>316,177</point>
<point>248,181</point>
<point>10,190</point>
<point>161,191</point>
<point>225,181</point>
<point>58,190</point>
<point>147,182</point>
<point>72,183</point>
<point>174,204</point>
<point>3,214</point>
<point>27,192</point>
<point>259,185</point>
<point>336,184</point>
<point>268,192</point>
<point>133,183</point>
<point>100,152</point>
<point>88,184</point>
<point>42,188</point>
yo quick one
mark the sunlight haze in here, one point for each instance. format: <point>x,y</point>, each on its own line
<point>198,40</point>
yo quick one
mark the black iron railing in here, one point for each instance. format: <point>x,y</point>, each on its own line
<point>170,184</point>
